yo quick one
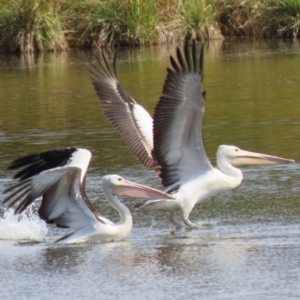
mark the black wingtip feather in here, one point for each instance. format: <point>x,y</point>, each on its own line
<point>174,64</point>
<point>26,201</point>
<point>37,163</point>
<point>194,55</point>
<point>181,60</point>
<point>30,166</point>
<point>115,64</point>
<point>106,64</point>
<point>188,57</point>
<point>186,62</point>
<point>201,59</point>
<point>101,69</point>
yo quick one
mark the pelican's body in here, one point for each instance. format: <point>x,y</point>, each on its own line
<point>175,147</point>
<point>59,178</point>
<point>204,185</point>
<point>193,191</point>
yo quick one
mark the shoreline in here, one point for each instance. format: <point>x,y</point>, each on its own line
<point>58,25</point>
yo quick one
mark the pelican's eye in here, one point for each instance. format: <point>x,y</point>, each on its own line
<point>236,149</point>
<point>120,179</point>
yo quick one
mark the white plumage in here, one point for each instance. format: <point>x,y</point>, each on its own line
<point>177,152</point>
<point>59,178</point>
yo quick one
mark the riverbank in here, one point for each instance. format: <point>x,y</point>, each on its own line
<point>54,25</point>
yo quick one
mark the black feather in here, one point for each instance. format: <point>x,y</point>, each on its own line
<point>181,60</point>
<point>188,57</point>
<point>36,163</point>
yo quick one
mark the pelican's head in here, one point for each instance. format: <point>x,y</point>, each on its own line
<point>117,185</point>
<point>238,157</point>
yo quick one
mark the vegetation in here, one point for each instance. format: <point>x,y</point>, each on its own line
<point>28,25</point>
<point>282,18</point>
<point>260,18</point>
<point>37,25</point>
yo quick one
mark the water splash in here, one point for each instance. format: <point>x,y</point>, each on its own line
<point>27,226</point>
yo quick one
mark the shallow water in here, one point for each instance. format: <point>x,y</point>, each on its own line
<point>253,249</point>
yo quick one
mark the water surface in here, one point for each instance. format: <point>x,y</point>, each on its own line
<point>253,249</point>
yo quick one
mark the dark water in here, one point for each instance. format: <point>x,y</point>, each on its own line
<point>252,252</point>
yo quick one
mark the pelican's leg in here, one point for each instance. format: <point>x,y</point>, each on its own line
<point>173,221</point>
<point>186,210</point>
<point>193,225</point>
<point>190,223</point>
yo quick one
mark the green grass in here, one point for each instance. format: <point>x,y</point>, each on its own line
<point>84,23</point>
<point>282,18</point>
<point>260,18</point>
<point>30,25</point>
<point>199,19</point>
<point>96,23</point>
<point>239,17</point>
<point>137,22</point>
<point>38,25</point>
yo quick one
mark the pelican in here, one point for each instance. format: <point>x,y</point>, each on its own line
<point>59,178</point>
<point>174,148</point>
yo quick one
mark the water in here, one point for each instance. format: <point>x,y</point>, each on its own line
<point>253,249</point>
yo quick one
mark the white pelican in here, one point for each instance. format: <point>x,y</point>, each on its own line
<point>59,178</point>
<point>175,147</point>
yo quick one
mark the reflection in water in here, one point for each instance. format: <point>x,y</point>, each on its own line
<point>66,260</point>
<point>252,252</point>
<point>238,47</point>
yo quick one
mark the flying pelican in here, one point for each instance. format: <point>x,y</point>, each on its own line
<point>59,178</point>
<point>174,148</point>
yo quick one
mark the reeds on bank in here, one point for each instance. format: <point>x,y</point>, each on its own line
<point>259,18</point>
<point>38,25</point>
<point>29,25</point>
<point>136,22</point>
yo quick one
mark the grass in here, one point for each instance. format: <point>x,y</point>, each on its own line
<point>137,22</point>
<point>199,19</point>
<point>30,25</point>
<point>93,23</point>
<point>239,17</point>
<point>259,18</point>
<point>84,23</point>
<point>282,18</point>
<point>38,25</point>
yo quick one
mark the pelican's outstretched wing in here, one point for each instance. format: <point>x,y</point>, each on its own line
<point>130,119</point>
<point>178,141</point>
<point>59,178</point>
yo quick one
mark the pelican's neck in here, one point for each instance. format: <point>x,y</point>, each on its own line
<point>124,213</point>
<point>235,175</point>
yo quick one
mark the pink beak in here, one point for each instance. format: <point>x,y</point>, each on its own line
<point>132,189</point>
<point>246,158</point>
